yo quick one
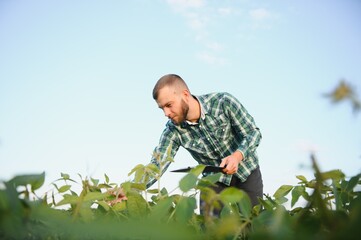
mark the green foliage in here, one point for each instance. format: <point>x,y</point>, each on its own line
<point>331,209</point>
<point>344,92</point>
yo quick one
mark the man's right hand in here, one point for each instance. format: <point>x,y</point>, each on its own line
<point>231,162</point>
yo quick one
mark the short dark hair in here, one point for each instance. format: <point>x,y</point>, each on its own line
<point>168,80</point>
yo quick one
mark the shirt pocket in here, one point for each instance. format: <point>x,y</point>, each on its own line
<point>195,145</point>
<point>221,129</point>
<point>223,133</point>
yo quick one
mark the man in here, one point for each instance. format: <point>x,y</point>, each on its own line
<point>216,130</point>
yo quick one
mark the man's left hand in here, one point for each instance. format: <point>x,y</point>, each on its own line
<point>119,195</point>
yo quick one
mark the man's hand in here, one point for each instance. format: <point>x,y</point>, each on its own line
<point>119,196</point>
<point>231,162</point>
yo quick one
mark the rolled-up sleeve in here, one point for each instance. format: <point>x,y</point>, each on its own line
<point>165,152</point>
<point>244,125</point>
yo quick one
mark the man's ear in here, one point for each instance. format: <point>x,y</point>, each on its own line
<point>186,93</point>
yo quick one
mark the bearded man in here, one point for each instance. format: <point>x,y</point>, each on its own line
<point>215,129</point>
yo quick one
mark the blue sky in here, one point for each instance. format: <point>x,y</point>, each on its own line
<point>76,80</point>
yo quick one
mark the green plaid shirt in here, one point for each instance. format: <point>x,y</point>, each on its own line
<point>224,127</point>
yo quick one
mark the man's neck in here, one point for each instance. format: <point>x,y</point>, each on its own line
<point>194,112</point>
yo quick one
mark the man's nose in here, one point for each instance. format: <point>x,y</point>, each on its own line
<point>166,112</point>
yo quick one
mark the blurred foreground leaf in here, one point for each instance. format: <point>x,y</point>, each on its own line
<point>345,92</point>
<point>35,180</point>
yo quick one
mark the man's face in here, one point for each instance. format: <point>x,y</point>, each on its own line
<point>172,104</point>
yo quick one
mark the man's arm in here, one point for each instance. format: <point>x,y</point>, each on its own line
<point>164,153</point>
<point>245,126</point>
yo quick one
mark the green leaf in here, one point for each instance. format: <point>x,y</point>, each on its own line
<point>94,181</point>
<point>65,176</point>
<point>136,168</point>
<point>267,204</point>
<point>89,197</point>
<point>264,220</point>
<point>68,199</point>
<point>126,186</point>
<point>138,186</point>
<point>213,178</point>
<point>281,200</point>
<point>35,180</point>
<point>245,206</point>
<point>86,212</point>
<point>64,188</point>
<point>140,175</point>
<point>162,208</point>
<point>282,191</point>
<point>234,195</point>
<point>153,191</point>
<point>136,205</point>
<point>104,205</point>
<point>231,195</point>
<point>53,198</point>
<point>230,228</point>
<point>106,178</point>
<point>164,192</point>
<point>103,185</point>
<point>198,169</point>
<point>296,193</point>
<point>152,168</point>
<point>352,183</point>
<point>185,209</point>
<point>55,186</point>
<point>80,176</point>
<point>188,182</point>
<point>337,196</point>
<point>311,184</point>
<point>333,174</point>
<point>306,196</point>
<point>73,193</point>
<point>208,195</point>
<point>209,180</point>
<point>302,178</point>
<point>120,206</point>
<point>92,196</point>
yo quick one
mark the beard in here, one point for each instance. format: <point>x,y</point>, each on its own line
<point>182,116</point>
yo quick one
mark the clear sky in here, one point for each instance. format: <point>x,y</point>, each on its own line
<point>76,80</point>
